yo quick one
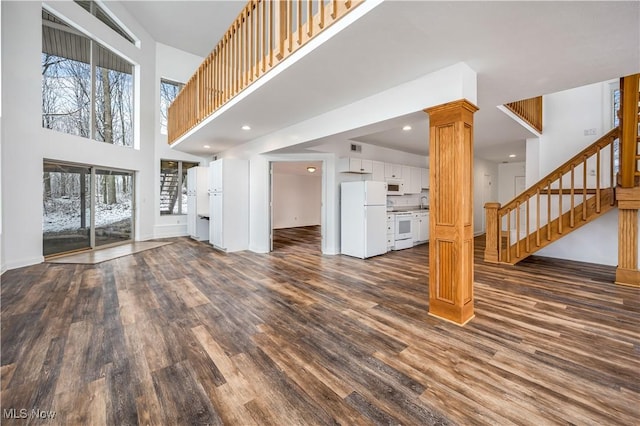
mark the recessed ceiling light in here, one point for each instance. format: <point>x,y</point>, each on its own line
<point>246,127</point>
<point>206,146</point>
<point>512,156</point>
<point>406,128</point>
<point>311,169</point>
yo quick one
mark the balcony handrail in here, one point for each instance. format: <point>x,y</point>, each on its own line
<point>529,110</point>
<point>264,34</point>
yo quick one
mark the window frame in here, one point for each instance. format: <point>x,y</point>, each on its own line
<point>94,65</point>
<point>164,114</point>
<point>182,181</point>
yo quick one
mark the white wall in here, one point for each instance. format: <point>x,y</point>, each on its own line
<point>25,144</point>
<point>567,115</point>
<point>296,200</point>
<point>507,173</point>
<point>481,193</point>
<point>175,65</point>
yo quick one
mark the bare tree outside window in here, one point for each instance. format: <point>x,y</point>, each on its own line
<point>70,104</point>
<point>168,92</point>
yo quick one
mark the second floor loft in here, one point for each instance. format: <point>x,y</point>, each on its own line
<point>392,44</point>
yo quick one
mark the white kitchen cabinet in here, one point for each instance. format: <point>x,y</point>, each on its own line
<point>198,203</point>
<point>406,176</point>
<point>413,185</point>
<point>229,204</point>
<point>392,171</point>
<point>425,178</point>
<point>377,173</point>
<point>420,227</point>
<point>391,231</point>
<point>355,165</point>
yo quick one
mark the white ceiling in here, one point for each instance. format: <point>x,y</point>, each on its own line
<point>192,26</point>
<point>518,49</point>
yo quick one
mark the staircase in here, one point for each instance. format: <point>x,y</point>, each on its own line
<point>574,194</point>
<point>603,176</point>
<point>169,191</point>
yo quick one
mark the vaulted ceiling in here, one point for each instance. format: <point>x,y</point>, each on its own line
<point>518,49</point>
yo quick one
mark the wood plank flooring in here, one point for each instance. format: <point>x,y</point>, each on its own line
<point>183,334</point>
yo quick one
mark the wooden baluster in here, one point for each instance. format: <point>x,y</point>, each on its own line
<point>527,243</point>
<point>347,4</point>
<point>310,18</point>
<point>560,196</point>
<point>572,219</point>
<point>282,27</point>
<point>252,41</point>
<point>508,235</point>
<point>334,9</point>
<point>598,181</point>
<point>263,34</point>
<point>238,55</point>
<point>290,25</point>
<point>538,216</point>
<point>493,231</point>
<point>517,229</point>
<point>549,210</point>
<point>272,33</point>
<point>321,23</point>
<point>584,188</point>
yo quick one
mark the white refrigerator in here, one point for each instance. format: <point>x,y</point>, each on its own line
<point>363,218</point>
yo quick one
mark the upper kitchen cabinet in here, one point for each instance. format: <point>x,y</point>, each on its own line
<point>392,171</point>
<point>378,171</point>
<point>425,178</point>
<point>413,185</point>
<point>355,165</point>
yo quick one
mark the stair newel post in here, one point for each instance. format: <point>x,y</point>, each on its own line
<point>628,192</point>
<point>491,254</point>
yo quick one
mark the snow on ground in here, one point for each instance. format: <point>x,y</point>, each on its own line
<point>63,214</point>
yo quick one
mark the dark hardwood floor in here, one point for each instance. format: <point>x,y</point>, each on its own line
<point>183,334</point>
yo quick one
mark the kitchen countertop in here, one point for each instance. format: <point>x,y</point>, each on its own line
<point>409,210</point>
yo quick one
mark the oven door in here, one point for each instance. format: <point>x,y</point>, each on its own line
<point>403,227</point>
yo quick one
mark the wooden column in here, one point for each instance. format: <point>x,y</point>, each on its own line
<point>451,213</point>
<point>628,191</point>
<point>492,229</point>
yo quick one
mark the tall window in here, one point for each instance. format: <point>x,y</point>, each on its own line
<point>173,186</point>
<point>615,106</point>
<point>87,90</point>
<point>94,8</point>
<point>168,92</point>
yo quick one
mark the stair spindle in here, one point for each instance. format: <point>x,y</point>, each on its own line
<point>584,188</point>
<point>572,218</point>
<point>509,235</point>
<point>527,246</point>
<point>517,229</point>
<point>538,217</point>
<point>549,210</point>
<point>598,181</point>
<point>560,196</point>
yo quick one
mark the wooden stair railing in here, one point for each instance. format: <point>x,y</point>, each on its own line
<point>263,35</point>
<point>572,195</point>
<point>529,110</point>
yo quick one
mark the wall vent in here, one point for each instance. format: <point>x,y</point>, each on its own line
<point>356,148</point>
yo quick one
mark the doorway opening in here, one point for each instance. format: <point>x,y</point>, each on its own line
<point>296,206</point>
<point>85,207</point>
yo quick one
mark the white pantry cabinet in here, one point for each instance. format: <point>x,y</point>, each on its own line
<point>229,204</point>
<point>198,203</point>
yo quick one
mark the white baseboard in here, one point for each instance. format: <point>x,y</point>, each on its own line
<point>170,231</point>
<point>21,263</point>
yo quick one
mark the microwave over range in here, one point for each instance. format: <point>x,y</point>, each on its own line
<point>395,187</point>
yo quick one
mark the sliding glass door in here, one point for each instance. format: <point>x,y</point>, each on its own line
<point>85,207</point>
<point>66,224</point>
<point>114,202</point>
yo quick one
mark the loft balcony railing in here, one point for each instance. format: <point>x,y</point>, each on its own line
<point>263,35</point>
<point>529,110</point>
